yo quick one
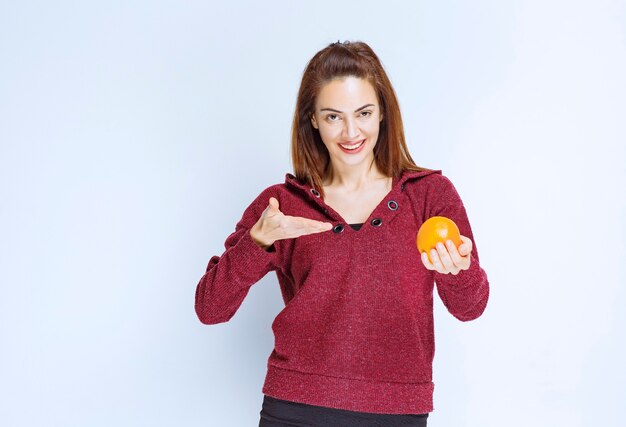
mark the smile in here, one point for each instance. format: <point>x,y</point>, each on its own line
<point>352,147</point>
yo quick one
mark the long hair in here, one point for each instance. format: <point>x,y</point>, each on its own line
<point>310,158</point>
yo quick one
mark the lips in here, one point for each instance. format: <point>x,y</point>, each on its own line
<point>352,148</point>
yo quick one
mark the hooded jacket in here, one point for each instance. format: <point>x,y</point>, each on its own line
<point>357,329</point>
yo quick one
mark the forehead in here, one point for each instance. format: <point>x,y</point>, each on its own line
<point>346,94</point>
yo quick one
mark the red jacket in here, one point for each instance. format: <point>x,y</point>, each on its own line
<point>357,331</point>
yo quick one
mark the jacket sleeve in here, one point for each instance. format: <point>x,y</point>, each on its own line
<point>465,294</point>
<point>228,277</point>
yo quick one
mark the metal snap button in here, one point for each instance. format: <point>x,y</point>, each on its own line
<point>377,222</point>
<point>315,192</point>
<point>338,228</point>
<point>392,204</point>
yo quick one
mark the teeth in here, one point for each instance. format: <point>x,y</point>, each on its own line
<point>352,147</point>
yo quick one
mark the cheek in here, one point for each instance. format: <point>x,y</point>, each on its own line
<point>372,128</point>
<point>328,134</point>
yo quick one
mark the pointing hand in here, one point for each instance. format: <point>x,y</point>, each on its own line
<point>274,225</point>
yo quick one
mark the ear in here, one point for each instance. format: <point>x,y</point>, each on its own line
<point>313,121</point>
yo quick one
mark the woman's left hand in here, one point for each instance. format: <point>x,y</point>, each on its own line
<point>448,259</point>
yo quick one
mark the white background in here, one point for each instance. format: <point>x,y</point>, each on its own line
<point>133,135</point>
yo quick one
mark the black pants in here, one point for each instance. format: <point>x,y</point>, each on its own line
<point>282,413</point>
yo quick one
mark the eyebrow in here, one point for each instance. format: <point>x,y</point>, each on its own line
<point>356,111</point>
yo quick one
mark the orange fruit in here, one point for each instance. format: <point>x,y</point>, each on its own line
<point>437,229</point>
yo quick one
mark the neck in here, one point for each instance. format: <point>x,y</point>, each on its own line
<point>353,177</point>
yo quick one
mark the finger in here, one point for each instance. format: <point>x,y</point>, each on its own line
<point>310,226</point>
<point>465,248</point>
<point>298,226</point>
<point>445,258</point>
<point>274,205</point>
<point>271,209</point>
<point>466,252</point>
<point>426,262</point>
<point>460,262</point>
<point>456,257</point>
<point>434,256</point>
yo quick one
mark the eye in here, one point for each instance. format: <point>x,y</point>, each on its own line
<point>366,113</point>
<point>332,117</point>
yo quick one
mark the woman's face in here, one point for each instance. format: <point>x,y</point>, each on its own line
<point>348,117</point>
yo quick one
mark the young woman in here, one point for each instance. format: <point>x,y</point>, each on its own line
<point>354,344</point>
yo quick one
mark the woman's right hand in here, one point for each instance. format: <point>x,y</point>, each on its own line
<point>274,225</point>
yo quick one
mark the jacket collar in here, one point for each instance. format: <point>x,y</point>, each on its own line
<point>412,176</point>
<point>406,176</point>
<point>397,187</point>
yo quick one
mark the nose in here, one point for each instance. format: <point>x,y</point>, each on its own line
<point>350,128</point>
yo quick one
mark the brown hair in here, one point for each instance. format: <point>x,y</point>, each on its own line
<point>311,161</point>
